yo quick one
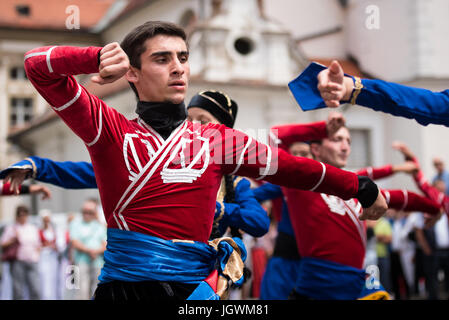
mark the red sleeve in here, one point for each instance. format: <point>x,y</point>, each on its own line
<point>376,173</point>
<point>4,188</point>
<point>245,156</point>
<point>41,235</point>
<point>51,70</point>
<point>405,200</point>
<point>430,191</point>
<point>285,135</point>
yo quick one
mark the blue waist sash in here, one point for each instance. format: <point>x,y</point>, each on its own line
<point>326,280</point>
<point>134,256</point>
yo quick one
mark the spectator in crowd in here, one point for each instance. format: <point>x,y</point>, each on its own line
<point>49,257</point>
<point>88,240</point>
<point>23,238</point>
<point>442,175</point>
<point>383,234</point>
<point>425,259</point>
<point>379,235</point>
<point>402,256</point>
<point>441,230</point>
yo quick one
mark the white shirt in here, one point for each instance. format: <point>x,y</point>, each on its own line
<point>442,233</point>
<point>29,241</point>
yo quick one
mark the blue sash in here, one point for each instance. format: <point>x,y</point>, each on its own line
<point>325,280</point>
<point>133,256</point>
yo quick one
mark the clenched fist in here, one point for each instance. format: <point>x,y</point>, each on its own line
<point>376,211</point>
<point>114,63</point>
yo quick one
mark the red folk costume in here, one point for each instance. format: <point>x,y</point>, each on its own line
<point>326,226</point>
<point>159,186</point>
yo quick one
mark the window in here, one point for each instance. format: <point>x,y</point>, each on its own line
<point>244,45</point>
<point>17,73</point>
<point>23,10</point>
<point>21,111</point>
<point>360,149</point>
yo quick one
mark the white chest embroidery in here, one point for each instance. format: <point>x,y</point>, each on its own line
<point>350,207</point>
<point>188,160</point>
<point>340,206</point>
<point>131,144</point>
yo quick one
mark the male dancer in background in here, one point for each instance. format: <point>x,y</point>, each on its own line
<point>330,238</point>
<point>150,195</point>
<point>281,272</point>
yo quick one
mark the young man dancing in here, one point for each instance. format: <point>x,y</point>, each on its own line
<point>150,190</point>
<point>330,239</point>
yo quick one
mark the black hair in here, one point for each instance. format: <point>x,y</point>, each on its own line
<point>134,42</point>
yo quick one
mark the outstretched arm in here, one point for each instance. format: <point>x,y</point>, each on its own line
<point>244,156</point>
<point>405,200</point>
<point>423,105</point>
<point>267,191</point>
<point>66,174</point>
<point>420,180</point>
<point>285,135</point>
<point>6,189</point>
<point>375,173</point>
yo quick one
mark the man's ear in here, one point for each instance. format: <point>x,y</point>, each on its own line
<point>132,75</point>
<point>315,149</point>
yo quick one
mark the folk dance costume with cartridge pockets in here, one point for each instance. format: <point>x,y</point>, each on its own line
<point>330,238</point>
<point>158,195</point>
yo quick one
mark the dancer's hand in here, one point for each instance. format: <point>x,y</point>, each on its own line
<point>334,122</point>
<point>114,63</point>
<point>376,211</point>
<point>16,177</point>
<point>334,86</point>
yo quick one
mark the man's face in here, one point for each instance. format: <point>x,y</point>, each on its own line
<point>201,115</point>
<point>89,211</point>
<point>22,217</point>
<point>440,185</point>
<point>164,72</point>
<point>300,149</point>
<point>334,150</point>
<point>438,164</point>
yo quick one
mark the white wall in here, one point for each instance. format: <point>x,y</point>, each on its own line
<point>167,10</point>
<point>304,18</point>
<point>390,51</point>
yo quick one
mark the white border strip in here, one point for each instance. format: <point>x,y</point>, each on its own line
<point>116,221</point>
<point>369,170</point>
<point>35,54</point>
<point>355,219</point>
<point>177,131</point>
<point>100,125</point>
<point>387,197</point>
<point>268,166</point>
<point>405,199</point>
<point>68,104</point>
<point>48,57</point>
<point>323,174</point>
<point>158,138</point>
<point>239,163</point>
